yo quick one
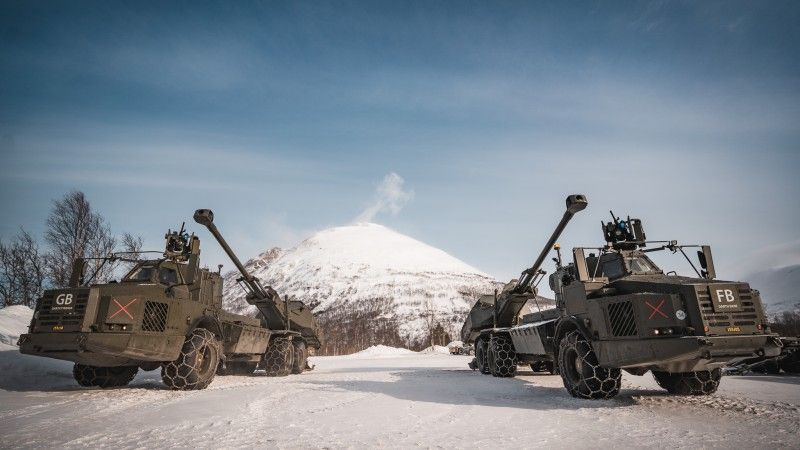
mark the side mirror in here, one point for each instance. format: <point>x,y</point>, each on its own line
<point>706,262</point>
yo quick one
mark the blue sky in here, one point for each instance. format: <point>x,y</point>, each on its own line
<point>285,118</point>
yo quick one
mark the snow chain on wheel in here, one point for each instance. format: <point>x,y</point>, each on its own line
<point>279,357</point>
<point>104,377</point>
<point>583,377</point>
<point>481,358</point>
<point>704,382</point>
<point>502,357</point>
<point>196,365</point>
<point>300,356</point>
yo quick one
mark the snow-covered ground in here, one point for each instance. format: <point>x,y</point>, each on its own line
<point>384,398</point>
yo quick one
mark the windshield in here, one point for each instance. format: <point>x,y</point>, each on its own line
<point>640,265</point>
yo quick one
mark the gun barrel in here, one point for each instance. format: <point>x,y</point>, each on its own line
<point>575,204</point>
<point>205,217</point>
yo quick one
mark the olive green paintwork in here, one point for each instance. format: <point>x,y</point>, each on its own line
<point>635,316</point>
<point>143,319</point>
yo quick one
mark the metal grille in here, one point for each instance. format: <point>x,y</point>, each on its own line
<point>155,316</point>
<point>745,317</point>
<point>623,322</point>
<point>69,320</point>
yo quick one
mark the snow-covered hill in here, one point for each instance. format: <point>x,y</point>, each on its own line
<point>350,265</point>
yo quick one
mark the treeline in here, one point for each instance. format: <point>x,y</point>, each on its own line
<point>347,328</point>
<point>72,230</point>
<point>786,323</point>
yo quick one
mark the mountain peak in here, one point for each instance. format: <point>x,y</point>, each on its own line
<point>366,265</point>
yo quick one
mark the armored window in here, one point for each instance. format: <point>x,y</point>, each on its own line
<point>612,268</point>
<point>167,276</point>
<point>143,273</point>
<point>640,265</point>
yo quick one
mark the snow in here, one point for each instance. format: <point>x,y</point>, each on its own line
<point>396,401</point>
<point>382,351</point>
<point>14,321</point>
<point>351,265</point>
<point>380,397</point>
<point>436,349</point>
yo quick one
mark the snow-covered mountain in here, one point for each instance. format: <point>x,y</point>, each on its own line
<point>351,265</point>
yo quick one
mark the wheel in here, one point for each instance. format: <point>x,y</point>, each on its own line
<point>279,357</point>
<point>704,382</point>
<point>300,356</point>
<point>791,363</point>
<point>502,357</point>
<point>104,377</point>
<point>237,368</point>
<point>582,374</point>
<point>772,367</point>
<point>481,359</point>
<point>196,365</point>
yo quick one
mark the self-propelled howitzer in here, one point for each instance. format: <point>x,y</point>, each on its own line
<point>617,310</point>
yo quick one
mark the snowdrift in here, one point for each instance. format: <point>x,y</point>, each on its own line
<point>18,371</point>
<point>382,351</point>
<point>14,320</point>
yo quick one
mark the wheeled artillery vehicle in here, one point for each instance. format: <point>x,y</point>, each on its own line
<point>167,313</point>
<point>617,310</point>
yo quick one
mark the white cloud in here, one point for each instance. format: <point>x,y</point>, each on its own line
<point>389,197</point>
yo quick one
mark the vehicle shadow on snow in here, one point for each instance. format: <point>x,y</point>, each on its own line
<point>787,379</point>
<point>464,387</point>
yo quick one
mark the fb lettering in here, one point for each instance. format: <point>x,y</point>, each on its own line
<point>725,295</point>
<point>64,300</point>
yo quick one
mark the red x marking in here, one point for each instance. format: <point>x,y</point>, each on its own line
<point>122,308</point>
<point>656,309</point>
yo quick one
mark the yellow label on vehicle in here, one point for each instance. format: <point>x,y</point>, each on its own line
<point>58,327</point>
<point>734,329</point>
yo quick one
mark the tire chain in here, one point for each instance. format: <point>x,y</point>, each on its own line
<point>602,384</point>
<point>184,373</point>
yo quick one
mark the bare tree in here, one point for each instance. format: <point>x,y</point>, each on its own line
<point>75,231</point>
<point>22,274</point>
<point>132,245</point>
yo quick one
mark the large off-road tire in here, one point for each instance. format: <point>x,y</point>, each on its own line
<point>279,357</point>
<point>704,382</point>
<point>481,357</point>
<point>583,377</point>
<point>502,357</point>
<point>104,377</point>
<point>237,368</point>
<point>300,356</point>
<point>791,363</point>
<point>197,364</point>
